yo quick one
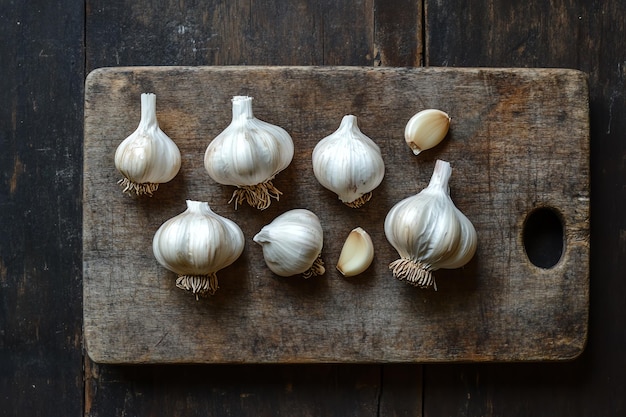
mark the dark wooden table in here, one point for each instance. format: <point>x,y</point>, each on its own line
<point>46,50</point>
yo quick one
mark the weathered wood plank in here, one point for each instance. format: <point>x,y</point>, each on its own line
<point>519,141</point>
<point>302,32</point>
<point>41,56</point>
<point>574,34</point>
<point>398,33</point>
<point>238,391</point>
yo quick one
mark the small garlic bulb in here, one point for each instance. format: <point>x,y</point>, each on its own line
<point>148,157</point>
<point>349,163</point>
<point>357,253</point>
<point>292,244</point>
<point>196,244</point>
<point>429,232</point>
<point>248,154</point>
<point>426,129</point>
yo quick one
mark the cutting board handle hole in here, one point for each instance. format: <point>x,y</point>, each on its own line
<point>543,237</point>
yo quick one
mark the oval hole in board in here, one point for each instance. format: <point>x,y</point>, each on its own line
<point>543,237</point>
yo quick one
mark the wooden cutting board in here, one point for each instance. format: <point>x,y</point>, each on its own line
<point>519,148</point>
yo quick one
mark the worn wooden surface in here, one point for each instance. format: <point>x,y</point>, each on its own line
<point>519,141</point>
<point>41,90</point>
<point>42,50</point>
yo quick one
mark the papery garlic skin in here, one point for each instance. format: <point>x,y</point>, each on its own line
<point>195,245</point>
<point>426,129</point>
<point>429,232</point>
<point>248,154</point>
<point>357,253</point>
<point>349,163</point>
<point>148,157</point>
<point>292,244</point>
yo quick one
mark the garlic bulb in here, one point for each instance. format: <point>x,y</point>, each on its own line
<point>148,157</point>
<point>429,232</point>
<point>248,154</point>
<point>292,244</point>
<point>426,129</point>
<point>349,163</point>
<point>357,253</point>
<point>196,244</point>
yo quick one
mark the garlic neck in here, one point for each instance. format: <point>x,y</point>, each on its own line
<point>198,207</point>
<point>349,124</point>
<point>148,110</point>
<point>242,107</point>
<point>441,175</point>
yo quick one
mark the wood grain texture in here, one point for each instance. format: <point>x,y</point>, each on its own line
<point>40,208</point>
<point>265,32</point>
<point>577,34</point>
<point>513,150</point>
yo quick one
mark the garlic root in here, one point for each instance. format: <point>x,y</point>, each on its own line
<point>258,196</point>
<point>316,269</point>
<point>198,285</point>
<point>128,187</point>
<point>415,273</point>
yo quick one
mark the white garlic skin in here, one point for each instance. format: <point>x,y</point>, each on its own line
<point>429,231</point>
<point>426,129</point>
<point>292,244</point>
<point>348,163</point>
<point>198,242</point>
<point>249,151</point>
<point>148,155</point>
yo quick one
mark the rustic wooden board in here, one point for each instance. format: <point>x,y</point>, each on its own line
<point>518,141</point>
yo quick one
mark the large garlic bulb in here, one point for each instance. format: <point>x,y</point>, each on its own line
<point>248,154</point>
<point>196,244</point>
<point>349,163</point>
<point>292,244</point>
<point>429,232</point>
<point>148,157</point>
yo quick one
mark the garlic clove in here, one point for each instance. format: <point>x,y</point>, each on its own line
<point>357,253</point>
<point>148,157</point>
<point>348,163</point>
<point>426,129</point>
<point>248,154</point>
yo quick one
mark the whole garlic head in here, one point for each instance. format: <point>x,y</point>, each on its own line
<point>429,232</point>
<point>148,157</point>
<point>349,163</point>
<point>292,244</point>
<point>248,154</point>
<point>195,245</point>
<point>426,129</point>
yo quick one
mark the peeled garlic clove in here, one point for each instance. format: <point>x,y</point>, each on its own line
<point>429,232</point>
<point>426,129</point>
<point>357,253</point>
<point>248,154</point>
<point>292,244</point>
<point>195,245</point>
<point>349,163</point>
<point>148,157</point>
